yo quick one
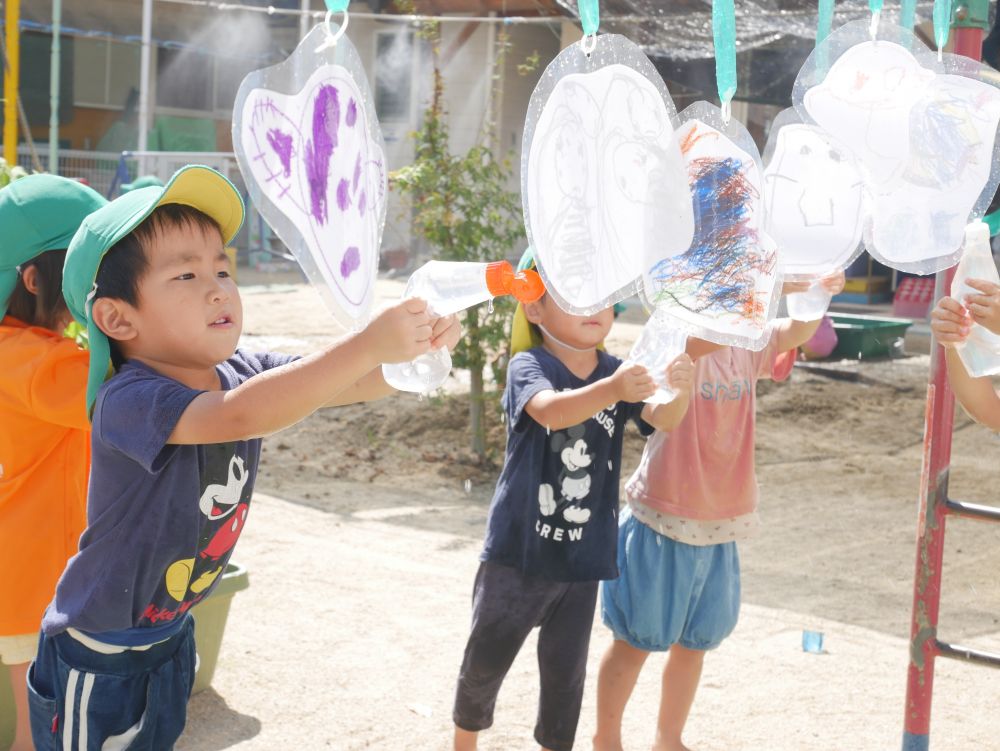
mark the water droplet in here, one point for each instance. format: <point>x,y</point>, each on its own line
<point>547,431</point>
<point>467,485</point>
<point>420,397</point>
<point>489,306</point>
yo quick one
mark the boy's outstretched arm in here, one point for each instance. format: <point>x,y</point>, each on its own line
<point>281,397</point>
<point>793,334</point>
<point>557,410</point>
<point>951,324</point>
<point>445,332</point>
<point>680,376</point>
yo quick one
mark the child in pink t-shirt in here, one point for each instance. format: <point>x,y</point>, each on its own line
<point>692,498</point>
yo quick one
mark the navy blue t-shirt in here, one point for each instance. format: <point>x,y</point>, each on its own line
<point>162,519</point>
<point>555,510</point>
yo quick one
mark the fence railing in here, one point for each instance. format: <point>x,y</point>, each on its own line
<point>105,171</point>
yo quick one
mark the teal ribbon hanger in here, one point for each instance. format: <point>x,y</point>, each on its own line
<point>907,14</point>
<point>824,23</point>
<point>590,19</point>
<point>942,24</point>
<point>875,6</point>
<point>724,36</point>
<point>824,20</point>
<point>590,16</point>
<point>332,37</point>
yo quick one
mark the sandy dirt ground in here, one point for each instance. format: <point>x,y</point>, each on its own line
<point>368,520</point>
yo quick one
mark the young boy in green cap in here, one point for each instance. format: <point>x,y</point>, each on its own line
<point>45,440</point>
<point>176,442</point>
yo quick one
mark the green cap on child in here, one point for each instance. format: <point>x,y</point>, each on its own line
<point>194,185</point>
<point>39,213</point>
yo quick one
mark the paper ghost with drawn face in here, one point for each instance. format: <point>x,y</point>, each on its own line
<point>924,133</point>
<point>814,193</point>
<point>604,186</point>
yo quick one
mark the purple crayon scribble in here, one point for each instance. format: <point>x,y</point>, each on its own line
<point>344,195</point>
<point>281,142</point>
<point>352,113</point>
<point>362,203</point>
<point>326,123</point>
<point>351,262</point>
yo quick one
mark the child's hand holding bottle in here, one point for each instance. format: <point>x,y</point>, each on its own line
<point>632,383</point>
<point>446,332</point>
<point>984,308</point>
<point>950,322</point>
<point>680,375</point>
<point>401,332</point>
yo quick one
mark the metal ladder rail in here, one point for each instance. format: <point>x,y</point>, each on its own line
<point>969,22</point>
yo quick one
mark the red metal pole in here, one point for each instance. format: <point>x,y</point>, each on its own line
<point>938,425</point>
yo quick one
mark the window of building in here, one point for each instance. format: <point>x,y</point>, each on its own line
<point>184,79</point>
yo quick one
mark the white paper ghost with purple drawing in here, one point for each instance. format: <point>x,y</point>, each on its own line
<point>313,158</point>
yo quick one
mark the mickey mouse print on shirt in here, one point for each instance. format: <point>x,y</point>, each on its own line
<point>574,479</point>
<point>565,506</point>
<point>224,505</point>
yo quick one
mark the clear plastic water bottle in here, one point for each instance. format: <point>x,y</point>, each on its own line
<point>450,287</point>
<point>810,305</point>
<point>658,345</point>
<point>980,352</point>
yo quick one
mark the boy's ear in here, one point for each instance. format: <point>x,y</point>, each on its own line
<point>533,311</point>
<point>29,277</point>
<point>113,317</point>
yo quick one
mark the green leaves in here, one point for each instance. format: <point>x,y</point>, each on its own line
<point>462,206</point>
<point>9,174</point>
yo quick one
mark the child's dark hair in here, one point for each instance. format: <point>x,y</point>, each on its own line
<point>123,266</point>
<point>44,308</point>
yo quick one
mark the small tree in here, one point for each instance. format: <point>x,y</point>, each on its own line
<point>462,207</point>
<point>10,173</point>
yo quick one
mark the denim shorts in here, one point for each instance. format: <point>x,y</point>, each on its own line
<point>668,592</point>
<point>82,700</point>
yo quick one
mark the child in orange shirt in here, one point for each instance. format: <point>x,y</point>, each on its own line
<point>45,440</point>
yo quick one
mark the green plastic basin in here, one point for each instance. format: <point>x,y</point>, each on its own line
<point>864,337</point>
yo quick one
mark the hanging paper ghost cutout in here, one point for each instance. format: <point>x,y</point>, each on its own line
<point>724,288</point>
<point>603,181</point>
<point>924,133</point>
<point>312,154</point>
<point>815,199</point>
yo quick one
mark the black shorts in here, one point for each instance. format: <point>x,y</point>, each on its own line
<point>506,605</point>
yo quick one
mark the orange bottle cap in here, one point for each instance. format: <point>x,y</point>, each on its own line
<point>527,286</point>
<point>499,276</point>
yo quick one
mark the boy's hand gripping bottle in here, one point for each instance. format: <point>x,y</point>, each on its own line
<point>980,352</point>
<point>450,287</point>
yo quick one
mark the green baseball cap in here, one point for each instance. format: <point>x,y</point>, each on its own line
<point>195,185</point>
<point>39,213</point>
<point>146,181</point>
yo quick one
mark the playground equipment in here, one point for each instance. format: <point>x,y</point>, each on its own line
<point>969,21</point>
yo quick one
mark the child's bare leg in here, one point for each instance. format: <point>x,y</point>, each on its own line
<point>465,740</point>
<point>620,668</point>
<point>18,681</point>
<point>680,683</point>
